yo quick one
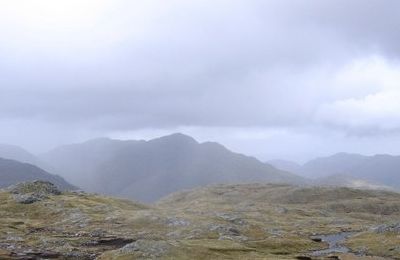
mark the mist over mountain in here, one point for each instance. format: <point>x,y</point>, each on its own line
<point>79,163</point>
<point>262,79</point>
<point>340,163</point>
<point>17,153</point>
<point>148,170</point>
<point>344,180</point>
<point>286,165</point>
<point>341,168</point>
<point>13,172</point>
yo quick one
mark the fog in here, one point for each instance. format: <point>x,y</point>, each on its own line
<point>273,79</point>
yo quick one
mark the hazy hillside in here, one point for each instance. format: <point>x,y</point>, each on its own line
<point>341,163</point>
<point>378,170</point>
<point>17,153</point>
<point>383,169</point>
<point>343,180</point>
<point>78,163</point>
<point>286,165</point>
<point>148,170</point>
<point>13,172</point>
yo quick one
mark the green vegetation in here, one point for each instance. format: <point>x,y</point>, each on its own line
<point>251,221</point>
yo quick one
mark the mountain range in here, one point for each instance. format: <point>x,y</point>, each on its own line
<point>377,170</point>
<point>148,170</point>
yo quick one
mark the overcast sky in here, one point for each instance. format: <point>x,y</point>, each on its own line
<point>275,79</point>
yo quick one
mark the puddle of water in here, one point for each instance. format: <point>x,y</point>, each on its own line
<point>335,243</point>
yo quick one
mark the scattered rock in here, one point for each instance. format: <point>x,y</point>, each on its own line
<point>176,222</point>
<point>26,199</point>
<point>98,233</point>
<point>386,228</point>
<point>234,231</point>
<point>233,218</point>
<point>147,248</point>
<point>14,238</point>
<point>31,192</point>
<point>226,232</point>
<point>79,255</point>
<point>281,210</point>
<point>195,234</point>
<point>274,232</point>
<point>362,251</point>
<point>174,234</point>
<point>76,217</point>
<point>82,234</point>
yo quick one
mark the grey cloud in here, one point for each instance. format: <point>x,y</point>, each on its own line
<point>200,63</point>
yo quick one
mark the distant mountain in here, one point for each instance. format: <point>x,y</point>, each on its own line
<point>341,163</point>
<point>17,153</point>
<point>342,180</point>
<point>13,172</point>
<point>285,165</point>
<point>378,170</point>
<point>148,170</point>
<point>382,169</point>
<point>79,163</point>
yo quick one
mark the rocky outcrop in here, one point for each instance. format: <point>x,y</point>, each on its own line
<point>31,192</point>
<point>146,248</point>
<point>387,228</point>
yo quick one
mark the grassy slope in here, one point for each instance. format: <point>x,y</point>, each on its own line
<point>226,222</point>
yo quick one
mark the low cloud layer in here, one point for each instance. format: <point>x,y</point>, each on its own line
<point>322,70</point>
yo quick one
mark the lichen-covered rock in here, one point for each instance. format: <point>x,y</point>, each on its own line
<point>176,222</point>
<point>227,232</point>
<point>386,228</point>
<point>26,198</point>
<point>31,192</point>
<point>233,218</point>
<point>146,248</point>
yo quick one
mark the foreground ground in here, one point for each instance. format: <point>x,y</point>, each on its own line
<point>251,221</point>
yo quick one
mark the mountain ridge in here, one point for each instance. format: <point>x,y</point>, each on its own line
<point>13,172</point>
<point>147,170</point>
<point>379,169</point>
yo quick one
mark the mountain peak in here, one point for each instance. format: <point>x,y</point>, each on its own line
<point>176,137</point>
